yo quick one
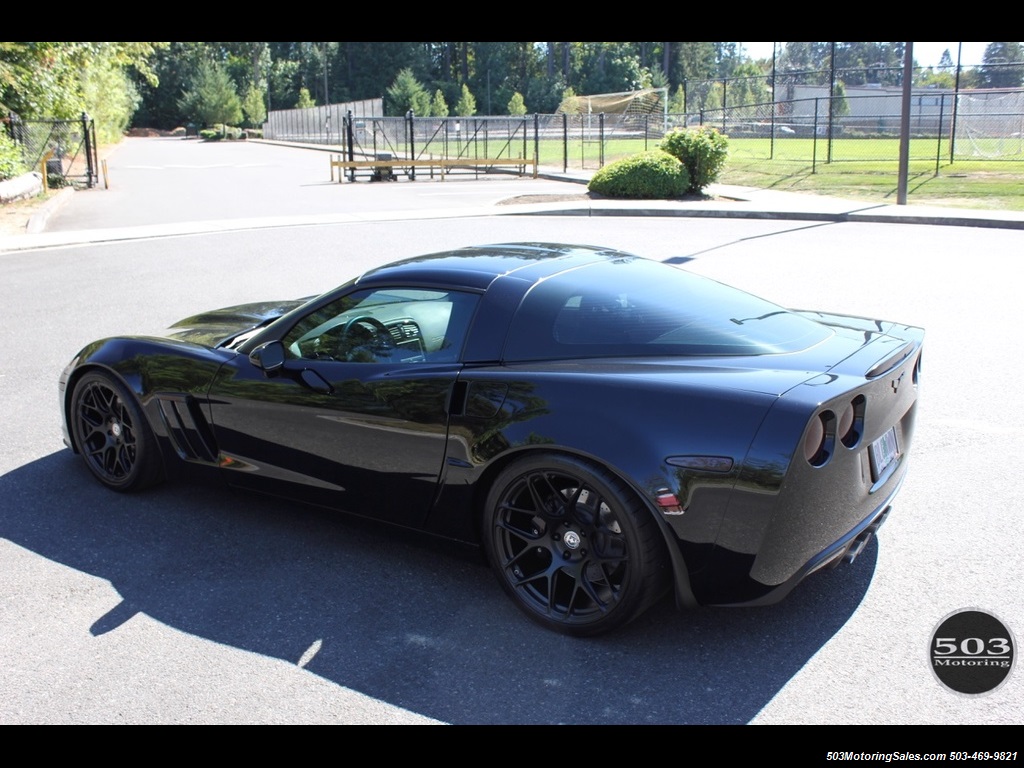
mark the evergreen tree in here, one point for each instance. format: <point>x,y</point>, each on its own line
<point>439,107</point>
<point>516,105</point>
<point>407,93</point>
<point>305,101</point>
<point>253,107</point>
<point>677,104</point>
<point>466,106</point>
<point>1002,65</point>
<point>840,106</point>
<point>747,85</point>
<point>212,99</point>
<point>570,102</point>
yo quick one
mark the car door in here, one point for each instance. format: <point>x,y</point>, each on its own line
<point>356,417</point>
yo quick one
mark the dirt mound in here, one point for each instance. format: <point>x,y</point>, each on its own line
<point>154,132</point>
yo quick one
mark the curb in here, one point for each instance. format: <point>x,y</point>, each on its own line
<point>37,223</point>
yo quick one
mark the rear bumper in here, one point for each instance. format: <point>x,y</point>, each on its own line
<point>843,550</point>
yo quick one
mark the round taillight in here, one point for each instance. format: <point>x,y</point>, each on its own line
<point>819,438</point>
<point>845,424</point>
<point>851,422</point>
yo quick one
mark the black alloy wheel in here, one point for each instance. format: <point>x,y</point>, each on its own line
<point>573,545</point>
<point>112,435</point>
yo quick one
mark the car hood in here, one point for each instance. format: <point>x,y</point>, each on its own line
<point>221,327</point>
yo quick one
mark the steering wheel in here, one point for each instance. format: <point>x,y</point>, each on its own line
<point>364,336</point>
<point>372,324</point>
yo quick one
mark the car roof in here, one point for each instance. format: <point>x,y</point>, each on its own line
<point>476,267</point>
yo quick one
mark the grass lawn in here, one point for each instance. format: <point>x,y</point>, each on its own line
<point>860,169</point>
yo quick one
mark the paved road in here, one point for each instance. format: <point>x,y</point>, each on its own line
<point>193,605</point>
<point>172,180</point>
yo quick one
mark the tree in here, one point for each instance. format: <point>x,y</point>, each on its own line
<point>305,101</point>
<point>253,107</point>
<point>405,94</point>
<point>1002,65</point>
<point>64,79</point>
<point>656,77</point>
<point>466,105</point>
<point>747,85</point>
<point>840,106</point>
<point>111,99</point>
<point>516,105</point>
<point>439,107</point>
<point>570,102</point>
<point>606,68</point>
<point>175,69</point>
<point>677,104</point>
<point>212,99</point>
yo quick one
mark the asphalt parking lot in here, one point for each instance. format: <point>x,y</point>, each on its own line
<point>194,605</point>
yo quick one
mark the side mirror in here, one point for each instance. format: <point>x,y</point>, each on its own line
<point>268,357</point>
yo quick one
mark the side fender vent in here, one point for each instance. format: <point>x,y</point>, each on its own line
<point>188,431</point>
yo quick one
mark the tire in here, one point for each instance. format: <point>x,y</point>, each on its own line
<point>112,435</point>
<point>572,545</point>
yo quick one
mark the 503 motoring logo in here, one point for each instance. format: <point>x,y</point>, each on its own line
<point>972,652</point>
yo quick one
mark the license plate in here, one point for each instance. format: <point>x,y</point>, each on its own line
<point>884,451</point>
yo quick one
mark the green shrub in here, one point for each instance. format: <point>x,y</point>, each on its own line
<point>210,134</point>
<point>10,158</point>
<point>653,174</point>
<point>702,150</point>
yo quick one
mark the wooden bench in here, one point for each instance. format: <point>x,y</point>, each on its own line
<point>444,165</point>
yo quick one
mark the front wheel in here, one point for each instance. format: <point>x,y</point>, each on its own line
<point>572,545</point>
<point>112,435</point>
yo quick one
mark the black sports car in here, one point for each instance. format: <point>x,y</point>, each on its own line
<point>606,427</point>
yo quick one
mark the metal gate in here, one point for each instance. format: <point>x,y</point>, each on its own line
<point>66,149</point>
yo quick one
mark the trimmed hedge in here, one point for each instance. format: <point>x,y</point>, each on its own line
<point>652,175</point>
<point>702,150</point>
<point>223,133</point>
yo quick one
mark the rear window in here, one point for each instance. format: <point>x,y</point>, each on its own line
<point>634,307</point>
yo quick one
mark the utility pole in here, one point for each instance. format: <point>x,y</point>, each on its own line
<point>908,85</point>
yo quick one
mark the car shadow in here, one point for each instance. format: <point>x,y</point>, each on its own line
<point>407,620</point>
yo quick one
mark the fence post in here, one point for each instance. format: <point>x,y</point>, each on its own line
<point>536,143</point>
<point>350,141</point>
<point>410,133</point>
<point>814,138</point>
<point>476,146</point>
<point>90,149</point>
<point>952,120</point>
<point>565,142</point>
<point>600,140</point>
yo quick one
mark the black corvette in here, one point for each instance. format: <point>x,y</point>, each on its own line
<point>607,428</point>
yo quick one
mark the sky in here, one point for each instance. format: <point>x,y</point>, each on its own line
<point>926,54</point>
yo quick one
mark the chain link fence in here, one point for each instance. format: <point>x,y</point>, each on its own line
<point>318,125</point>
<point>943,127</point>
<point>811,129</point>
<point>64,149</point>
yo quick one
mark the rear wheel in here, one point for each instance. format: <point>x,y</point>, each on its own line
<point>112,434</point>
<point>573,546</point>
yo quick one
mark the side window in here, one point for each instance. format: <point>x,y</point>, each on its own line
<point>386,325</point>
